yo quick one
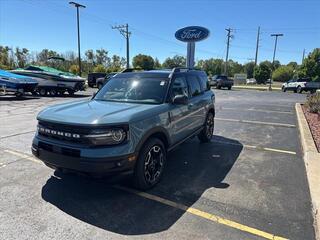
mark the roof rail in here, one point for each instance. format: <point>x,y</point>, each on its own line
<point>181,69</point>
<point>131,70</point>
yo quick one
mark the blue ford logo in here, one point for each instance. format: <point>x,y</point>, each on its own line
<point>192,34</point>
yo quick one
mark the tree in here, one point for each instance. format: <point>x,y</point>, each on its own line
<point>157,64</point>
<point>211,66</point>
<point>102,57</point>
<point>311,65</point>
<point>176,61</point>
<point>99,68</point>
<point>74,69</point>
<point>294,65</point>
<point>234,67</point>
<point>21,55</point>
<point>283,74</point>
<point>262,72</point>
<point>249,68</point>
<point>117,63</point>
<point>143,61</point>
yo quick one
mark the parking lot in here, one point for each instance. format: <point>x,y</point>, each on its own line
<point>249,182</point>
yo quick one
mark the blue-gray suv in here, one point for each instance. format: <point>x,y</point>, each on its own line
<point>129,125</point>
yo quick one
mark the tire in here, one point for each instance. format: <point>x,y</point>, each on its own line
<point>71,92</point>
<point>299,89</point>
<point>229,88</point>
<point>53,92</point>
<point>218,87</point>
<point>99,85</point>
<point>150,164</point>
<point>283,89</point>
<point>42,92</point>
<point>207,132</point>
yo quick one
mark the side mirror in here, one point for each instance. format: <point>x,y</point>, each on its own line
<point>180,100</point>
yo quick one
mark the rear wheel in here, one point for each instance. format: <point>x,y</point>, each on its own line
<point>207,132</point>
<point>150,164</point>
<point>42,92</point>
<point>229,88</point>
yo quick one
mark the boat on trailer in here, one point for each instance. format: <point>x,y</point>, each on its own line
<point>17,84</point>
<point>52,81</point>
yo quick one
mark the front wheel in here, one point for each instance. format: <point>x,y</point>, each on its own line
<point>299,89</point>
<point>207,132</point>
<point>284,89</point>
<point>229,88</point>
<point>150,164</point>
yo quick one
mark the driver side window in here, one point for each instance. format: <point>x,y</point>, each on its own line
<point>179,87</point>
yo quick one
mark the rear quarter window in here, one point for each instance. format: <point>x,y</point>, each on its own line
<point>204,83</point>
<point>194,86</point>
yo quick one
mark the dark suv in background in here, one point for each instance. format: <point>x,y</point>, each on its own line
<point>92,78</point>
<point>129,126</point>
<point>221,81</point>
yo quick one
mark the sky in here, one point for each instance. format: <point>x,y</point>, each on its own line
<point>39,24</point>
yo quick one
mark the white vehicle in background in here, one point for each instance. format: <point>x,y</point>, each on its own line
<point>296,85</point>
<point>251,81</point>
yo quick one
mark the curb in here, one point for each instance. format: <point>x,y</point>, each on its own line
<point>311,158</point>
<point>256,88</point>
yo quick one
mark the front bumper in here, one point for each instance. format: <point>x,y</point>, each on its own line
<point>67,158</point>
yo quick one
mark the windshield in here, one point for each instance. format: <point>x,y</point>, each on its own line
<point>135,89</point>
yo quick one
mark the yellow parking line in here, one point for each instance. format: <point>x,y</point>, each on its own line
<point>191,210</point>
<point>202,214</point>
<point>257,110</point>
<point>257,122</point>
<point>270,149</point>
<point>22,155</point>
<point>257,147</point>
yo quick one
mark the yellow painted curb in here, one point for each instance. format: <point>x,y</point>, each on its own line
<point>256,88</point>
<point>311,158</point>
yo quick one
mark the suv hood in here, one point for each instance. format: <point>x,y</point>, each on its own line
<point>96,112</point>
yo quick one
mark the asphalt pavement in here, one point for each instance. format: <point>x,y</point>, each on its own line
<point>249,182</point>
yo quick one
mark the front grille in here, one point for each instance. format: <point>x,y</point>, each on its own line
<point>63,132</point>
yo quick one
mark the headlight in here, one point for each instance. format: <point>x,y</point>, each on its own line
<point>108,137</point>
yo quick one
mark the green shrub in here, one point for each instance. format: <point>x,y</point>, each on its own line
<point>283,74</point>
<point>74,69</point>
<point>313,103</point>
<point>99,68</point>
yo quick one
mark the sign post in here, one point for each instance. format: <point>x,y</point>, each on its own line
<point>191,35</point>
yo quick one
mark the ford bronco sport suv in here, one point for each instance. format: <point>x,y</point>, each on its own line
<point>128,126</point>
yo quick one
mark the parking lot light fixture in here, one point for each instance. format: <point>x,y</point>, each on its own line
<point>77,5</point>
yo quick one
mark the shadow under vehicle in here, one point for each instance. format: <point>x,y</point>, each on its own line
<point>191,170</point>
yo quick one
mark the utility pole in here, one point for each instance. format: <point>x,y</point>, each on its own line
<point>257,47</point>
<point>304,51</point>
<point>229,30</point>
<point>274,54</point>
<point>124,30</point>
<point>77,5</point>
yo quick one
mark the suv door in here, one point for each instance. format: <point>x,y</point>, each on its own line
<point>181,121</point>
<point>196,104</point>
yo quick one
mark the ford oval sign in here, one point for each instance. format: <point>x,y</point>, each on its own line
<point>192,34</point>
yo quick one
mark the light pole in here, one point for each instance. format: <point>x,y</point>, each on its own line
<point>274,54</point>
<point>77,5</point>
